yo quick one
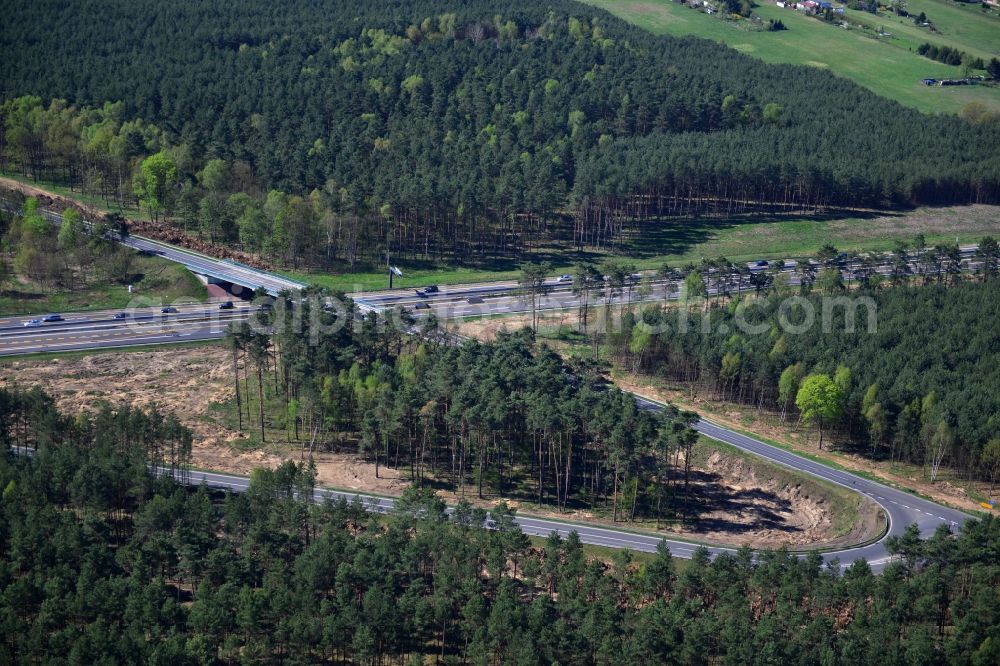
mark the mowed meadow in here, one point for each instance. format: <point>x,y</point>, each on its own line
<point>886,66</point>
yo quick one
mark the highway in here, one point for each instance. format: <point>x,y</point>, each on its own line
<point>901,508</point>
<point>220,270</point>
<point>101,330</point>
<point>149,326</point>
<point>507,297</point>
<point>94,330</point>
<point>600,536</point>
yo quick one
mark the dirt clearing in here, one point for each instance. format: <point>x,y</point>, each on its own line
<point>186,382</point>
<point>797,440</point>
<point>739,500</point>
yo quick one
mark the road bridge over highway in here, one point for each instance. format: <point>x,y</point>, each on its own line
<point>98,330</point>
<point>210,269</point>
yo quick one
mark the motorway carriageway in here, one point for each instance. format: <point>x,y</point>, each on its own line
<point>901,508</point>
<point>505,297</point>
<point>92,330</point>
<point>99,329</point>
<point>594,535</point>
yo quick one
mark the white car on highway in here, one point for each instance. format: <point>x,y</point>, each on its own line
<point>33,322</point>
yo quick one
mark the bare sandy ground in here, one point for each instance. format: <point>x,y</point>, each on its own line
<point>805,441</point>
<point>486,328</point>
<point>745,506</point>
<point>186,382</point>
<point>738,507</point>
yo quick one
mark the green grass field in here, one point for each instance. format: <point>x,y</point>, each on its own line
<point>156,279</point>
<point>679,242</point>
<point>885,66</point>
<point>964,27</point>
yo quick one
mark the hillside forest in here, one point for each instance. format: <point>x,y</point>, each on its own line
<point>321,135</point>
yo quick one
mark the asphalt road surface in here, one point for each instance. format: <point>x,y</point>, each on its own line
<point>901,508</point>
<point>600,536</point>
<point>243,277</point>
<point>100,329</point>
<point>236,274</point>
<point>93,330</point>
<point>506,297</point>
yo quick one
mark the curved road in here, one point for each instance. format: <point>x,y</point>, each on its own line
<point>901,508</point>
<point>101,329</point>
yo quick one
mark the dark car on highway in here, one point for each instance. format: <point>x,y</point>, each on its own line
<point>431,289</point>
<point>119,315</point>
<point>226,305</point>
<point>169,309</point>
<point>52,317</point>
